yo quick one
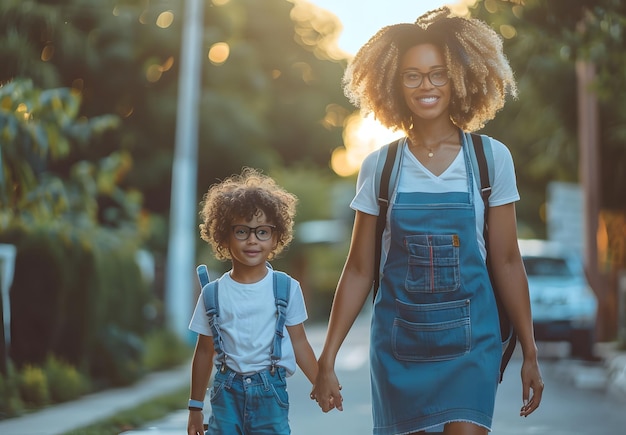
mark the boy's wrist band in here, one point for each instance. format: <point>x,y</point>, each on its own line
<point>195,405</point>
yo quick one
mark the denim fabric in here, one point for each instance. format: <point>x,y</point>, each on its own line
<point>435,338</point>
<point>256,404</point>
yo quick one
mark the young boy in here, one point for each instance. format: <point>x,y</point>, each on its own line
<point>247,219</point>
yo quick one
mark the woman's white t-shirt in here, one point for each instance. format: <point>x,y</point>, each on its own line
<point>247,320</point>
<point>414,177</point>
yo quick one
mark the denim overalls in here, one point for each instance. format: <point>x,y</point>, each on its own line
<point>248,403</point>
<point>435,338</point>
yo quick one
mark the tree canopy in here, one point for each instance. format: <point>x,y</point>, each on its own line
<point>274,100</point>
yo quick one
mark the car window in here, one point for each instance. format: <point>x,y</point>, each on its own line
<point>544,266</point>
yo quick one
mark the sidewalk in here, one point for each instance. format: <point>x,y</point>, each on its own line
<point>58,419</point>
<point>62,418</point>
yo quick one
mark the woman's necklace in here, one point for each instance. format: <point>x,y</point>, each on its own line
<point>431,153</point>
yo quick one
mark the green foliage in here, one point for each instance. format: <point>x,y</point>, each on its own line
<point>545,42</point>
<point>79,232</point>
<point>119,355</point>
<point>11,403</point>
<point>84,303</point>
<point>268,104</point>
<point>65,382</point>
<point>33,386</point>
<point>37,125</point>
<point>163,350</point>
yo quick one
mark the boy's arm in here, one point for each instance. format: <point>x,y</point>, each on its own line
<point>201,368</point>
<point>305,357</point>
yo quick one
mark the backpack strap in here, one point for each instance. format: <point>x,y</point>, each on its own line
<point>211,307</point>
<point>482,162</point>
<point>203,275</point>
<point>282,284</point>
<point>387,168</point>
<point>482,156</point>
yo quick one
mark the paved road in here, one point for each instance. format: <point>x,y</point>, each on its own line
<point>576,401</point>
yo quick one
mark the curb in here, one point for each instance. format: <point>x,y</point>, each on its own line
<point>615,363</point>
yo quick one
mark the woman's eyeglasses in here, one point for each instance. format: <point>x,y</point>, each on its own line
<point>414,79</point>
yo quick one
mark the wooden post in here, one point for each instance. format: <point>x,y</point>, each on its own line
<point>589,168</point>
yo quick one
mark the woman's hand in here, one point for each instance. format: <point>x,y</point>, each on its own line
<point>531,380</point>
<point>327,391</point>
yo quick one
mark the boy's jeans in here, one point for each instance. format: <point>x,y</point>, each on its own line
<point>255,404</point>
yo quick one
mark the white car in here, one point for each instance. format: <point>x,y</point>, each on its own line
<point>564,307</point>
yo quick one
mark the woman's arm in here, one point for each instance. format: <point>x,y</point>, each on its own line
<point>305,357</point>
<point>352,290</point>
<point>512,285</point>
<point>201,368</point>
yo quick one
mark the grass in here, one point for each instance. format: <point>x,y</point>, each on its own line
<point>138,416</point>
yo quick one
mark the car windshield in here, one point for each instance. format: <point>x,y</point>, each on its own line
<point>545,266</point>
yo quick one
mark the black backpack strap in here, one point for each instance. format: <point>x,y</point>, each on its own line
<point>506,330</point>
<point>383,206</point>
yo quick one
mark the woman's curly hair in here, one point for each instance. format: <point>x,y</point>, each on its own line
<point>479,71</point>
<point>245,196</point>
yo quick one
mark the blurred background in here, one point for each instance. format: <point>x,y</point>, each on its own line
<point>117,115</point>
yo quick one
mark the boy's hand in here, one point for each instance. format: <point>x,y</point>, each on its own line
<point>327,392</point>
<point>195,424</point>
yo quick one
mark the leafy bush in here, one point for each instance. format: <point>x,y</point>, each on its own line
<point>10,401</point>
<point>164,349</point>
<point>64,381</point>
<point>119,357</point>
<point>34,386</point>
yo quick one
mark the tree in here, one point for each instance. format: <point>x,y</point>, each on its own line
<point>266,104</point>
<point>545,42</point>
<point>545,39</point>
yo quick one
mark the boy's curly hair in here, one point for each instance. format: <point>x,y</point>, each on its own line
<point>479,71</point>
<point>244,196</point>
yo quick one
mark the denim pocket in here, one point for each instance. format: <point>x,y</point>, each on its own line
<point>280,395</point>
<point>215,390</point>
<point>431,332</point>
<point>433,263</point>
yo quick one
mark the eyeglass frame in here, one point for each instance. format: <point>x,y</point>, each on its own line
<point>422,75</point>
<point>253,230</point>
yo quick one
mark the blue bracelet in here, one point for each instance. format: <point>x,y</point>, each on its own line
<point>196,404</point>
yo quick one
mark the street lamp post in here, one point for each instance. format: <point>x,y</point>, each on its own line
<point>181,246</point>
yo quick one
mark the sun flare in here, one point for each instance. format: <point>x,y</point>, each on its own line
<point>361,136</point>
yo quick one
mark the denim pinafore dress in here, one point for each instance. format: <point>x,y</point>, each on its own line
<point>435,340</point>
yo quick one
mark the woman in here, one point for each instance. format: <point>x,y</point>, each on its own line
<point>435,338</point>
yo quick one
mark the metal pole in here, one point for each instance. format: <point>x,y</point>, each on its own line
<point>7,268</point>
<point>181,248</point>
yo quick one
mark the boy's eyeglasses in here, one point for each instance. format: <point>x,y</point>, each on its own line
<point>414,79</point>
<point>262,232</point>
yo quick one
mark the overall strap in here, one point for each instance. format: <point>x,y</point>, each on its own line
<point>203,275</point>
<point>282,284</point>
<point>211,307</point>
<point>384,183</point>
<point>482,156</point>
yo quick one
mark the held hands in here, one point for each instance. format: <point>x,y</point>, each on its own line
<point>327,391</point>
<point>531,380</point>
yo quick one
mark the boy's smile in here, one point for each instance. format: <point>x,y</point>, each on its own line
<point>250,244</point>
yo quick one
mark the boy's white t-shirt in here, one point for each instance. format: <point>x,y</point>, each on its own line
<point>247,320</point>
<point>415,177</point>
